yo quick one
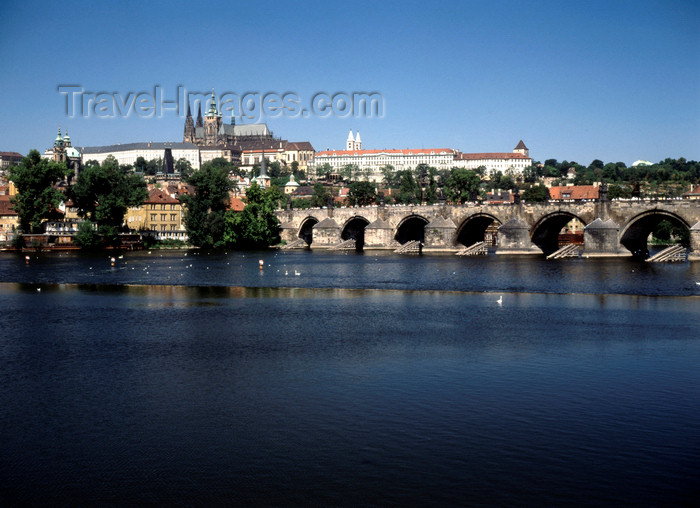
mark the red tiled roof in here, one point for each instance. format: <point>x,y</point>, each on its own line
<point>408,151</point>
<point>573,192</point>
<point>236,204</point>
<point>300,145</point>
<point>159,196</point>
<point>6,206</point>
<point>489,155</point>
<point>693,192</point>
<point>11,154</point>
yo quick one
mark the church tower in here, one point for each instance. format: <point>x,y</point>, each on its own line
<point>521,148</point>
<point>199,116</point>
<point>212,123</point>
<point>358,141</point>
<point>350,143</point>
<point>189,126</point>
<point>59,147</point>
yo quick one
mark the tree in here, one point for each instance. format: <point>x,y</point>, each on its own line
<point>529,174</point>
<point>152,167</point>
<point>387,173</point>
<point>320,196</point>
<point>409,190</point>
<point>324,170</point>
<point>536,194</point>
<point>361,193</point>
<point>141,165</point>
<point>104,193</point>
<point>205,209</point>
<point>431,195</point>
<point>37,196</point>
<point>422,171</point>
<point>663,231</point>
<point>87,236</point>
<point>349,172</point>
<point>462,185</point>
<point>257,225</point>
<point>615,191</point>
<point>183,167</point>
<point>596,164</point>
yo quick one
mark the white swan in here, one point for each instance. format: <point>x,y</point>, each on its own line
<point>500,300</point>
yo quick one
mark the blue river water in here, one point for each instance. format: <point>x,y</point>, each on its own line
<point>190,378</point>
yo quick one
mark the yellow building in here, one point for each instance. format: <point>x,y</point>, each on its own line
<point>9,220</point>
<point>160,214</point>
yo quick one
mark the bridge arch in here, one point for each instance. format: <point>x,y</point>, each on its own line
<point>354,229</point>
<point>635,233</point>
<point>411,228</point>
<point>473,229</point>
<point>545,233</point>
<point>306,229</point>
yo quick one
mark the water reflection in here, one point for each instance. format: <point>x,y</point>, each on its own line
<point>210,394</point>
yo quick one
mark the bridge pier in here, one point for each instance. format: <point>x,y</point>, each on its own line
<point>326,233</point>
<point>694,254</point>
<point>514,238</point>
<point>380,235</point>
<point>288,232</point>
<point>602,239</point>
<point>440,235</point>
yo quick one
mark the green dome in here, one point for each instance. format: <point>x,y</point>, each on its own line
<point>73,153</point>
<point>212,106</point>
<point>59,139</point>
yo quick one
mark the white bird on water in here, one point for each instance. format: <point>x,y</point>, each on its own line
<point>500,300</point>
<point>296,272</point>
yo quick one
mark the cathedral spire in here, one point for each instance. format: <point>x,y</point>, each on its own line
<point>200,123</point>
<point>190,133</point>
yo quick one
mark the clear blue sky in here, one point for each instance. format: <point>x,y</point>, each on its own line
<point>614,80</point>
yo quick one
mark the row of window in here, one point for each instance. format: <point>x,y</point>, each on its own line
<point>163,217</point>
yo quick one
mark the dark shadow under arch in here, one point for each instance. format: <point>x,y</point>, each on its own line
<point>411,228</point>
<point>545,234</point>
<point>635,234</point>
<point>306,231</point>
<point>473,230</point>
<point>355,229</point>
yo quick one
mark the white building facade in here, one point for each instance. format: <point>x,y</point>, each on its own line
<point>127,153</point>
<point>515,161</point>
<point>439,158</point>
<point>375,160</point>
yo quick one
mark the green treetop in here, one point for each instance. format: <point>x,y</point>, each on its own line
<point>37,195</point>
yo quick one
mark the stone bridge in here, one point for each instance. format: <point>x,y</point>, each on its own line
<point>612,228</point>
